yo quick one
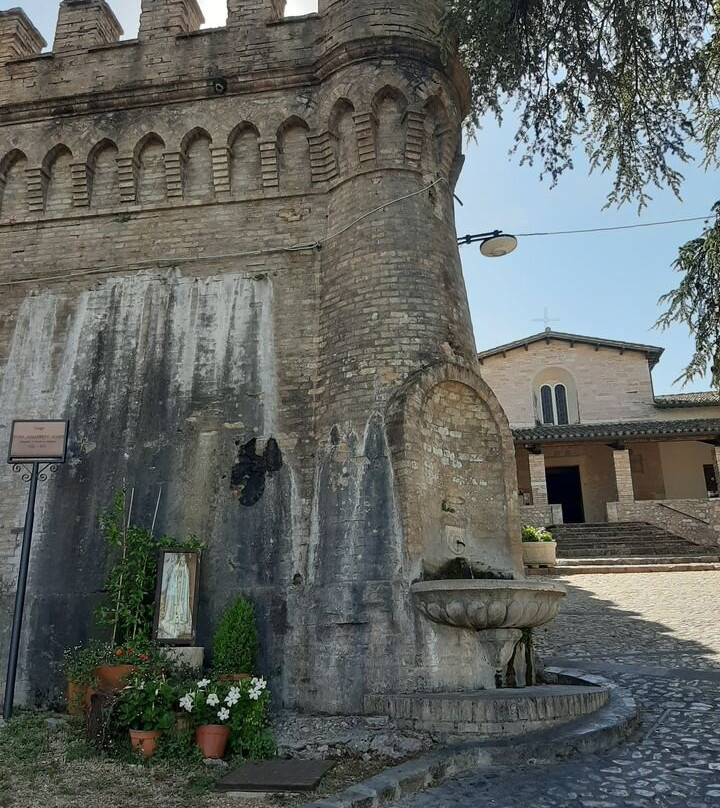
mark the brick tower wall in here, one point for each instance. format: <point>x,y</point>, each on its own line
<point>187,272</point>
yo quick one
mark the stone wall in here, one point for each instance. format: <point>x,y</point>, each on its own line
<point>202,260</point>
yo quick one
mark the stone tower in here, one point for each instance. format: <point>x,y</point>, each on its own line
<point>229,257</point>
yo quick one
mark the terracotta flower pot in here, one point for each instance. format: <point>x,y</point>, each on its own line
<point>113,678</point>
<point>144,740</point>
<point>212,740</point>
<point>77,698</point>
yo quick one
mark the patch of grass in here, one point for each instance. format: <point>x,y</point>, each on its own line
<point>24,739</point>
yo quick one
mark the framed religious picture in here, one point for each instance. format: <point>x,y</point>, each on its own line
<point>176,597</point>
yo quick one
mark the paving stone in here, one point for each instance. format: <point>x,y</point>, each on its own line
<point>621,626</point>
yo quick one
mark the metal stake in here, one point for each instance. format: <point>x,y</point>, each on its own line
<point>20,594</point>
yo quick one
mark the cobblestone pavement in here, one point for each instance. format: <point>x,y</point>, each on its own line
<point>659,636</point>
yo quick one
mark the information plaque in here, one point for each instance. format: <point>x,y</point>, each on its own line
<point>38,441</point>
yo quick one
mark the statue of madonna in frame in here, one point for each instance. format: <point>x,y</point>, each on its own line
<point>176,597</point>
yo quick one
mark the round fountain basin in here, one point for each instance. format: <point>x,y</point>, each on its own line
<point>488,604</point>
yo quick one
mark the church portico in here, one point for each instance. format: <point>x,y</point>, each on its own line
<point>666,476</point>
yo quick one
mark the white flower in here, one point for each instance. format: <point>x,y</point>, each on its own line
<point>186,702</point>
<point>223,714</point>
<point>203,683</point>
<point>258,683</point>
<point>213,700</point>
<point>233,697</point>
<point>254,695</point>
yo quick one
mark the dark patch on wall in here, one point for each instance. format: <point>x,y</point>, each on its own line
<point>251,470</point>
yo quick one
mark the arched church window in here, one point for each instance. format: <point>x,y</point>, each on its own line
<point>561,404</point>
<point>554,404</point>
<point>546,401</point>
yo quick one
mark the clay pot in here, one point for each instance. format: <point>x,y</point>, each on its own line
<point>77,698</point>
<point>144,740</point>
<point>212,740</point>
<point>113,678</point>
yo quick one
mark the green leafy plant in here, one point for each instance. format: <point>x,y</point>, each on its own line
<point>79,663</point>
<point>146,703</point>
<point>249,736</point>
<point>235,642</point>
<point>129,609</point>
<point>536,534</point>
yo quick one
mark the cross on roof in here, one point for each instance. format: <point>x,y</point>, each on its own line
<point>547,319</point>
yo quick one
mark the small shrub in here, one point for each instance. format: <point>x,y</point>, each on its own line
<point>535,534</point>
<point>235,642</point>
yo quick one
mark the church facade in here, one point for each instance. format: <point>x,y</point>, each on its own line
<point>595,444</point>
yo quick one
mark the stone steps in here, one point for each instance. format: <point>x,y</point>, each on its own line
<point>564,563</point>
<point>603,568</point>
<point>628,550</point>
<point>630,546</point>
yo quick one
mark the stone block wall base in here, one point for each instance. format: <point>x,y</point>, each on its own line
<point>490,713</point>
<point>187,656</point>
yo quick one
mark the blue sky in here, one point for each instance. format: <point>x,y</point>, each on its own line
<point>604,284</point>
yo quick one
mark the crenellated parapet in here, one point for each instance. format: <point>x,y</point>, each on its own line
<point>163,19</point>
<point>19,38</point>
<point>84,24</point>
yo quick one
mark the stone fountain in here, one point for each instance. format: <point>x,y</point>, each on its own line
<point>475,667</point>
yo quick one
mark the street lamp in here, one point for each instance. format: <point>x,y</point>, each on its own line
<point>494,244</point>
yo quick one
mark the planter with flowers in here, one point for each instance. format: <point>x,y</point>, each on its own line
<point>220,712</point>
<point>78,665</point>
<point>117,667</point>
<point>145,709</point>
<point>539,547</point>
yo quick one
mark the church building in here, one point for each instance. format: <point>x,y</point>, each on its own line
<point>595,444</point>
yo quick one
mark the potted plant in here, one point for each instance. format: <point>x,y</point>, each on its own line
<point>249,737</point>
<point>235,642</point>
<point>210,705</point>
<point>539,547</point>
<point>117,665</point>
<point>145,709</point>
<point>78,665</point>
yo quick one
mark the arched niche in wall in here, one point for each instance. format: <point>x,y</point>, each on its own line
<point>198,171</point>
<point>555,397</point>
<point>245,167</point>
<point>454,466</point>
<point>343,137</point>
<point>439,146</point>
<point>293,151</point>
<point>57,175</point>
<point>151,182</point>
<point>104,184</point>
<point>389,108</point>
<point>13,185</point>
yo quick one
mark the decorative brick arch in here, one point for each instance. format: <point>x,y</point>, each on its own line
<point>13,186</point>
<point>454,465</point>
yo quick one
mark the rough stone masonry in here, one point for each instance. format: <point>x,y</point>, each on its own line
<point>188,272</point>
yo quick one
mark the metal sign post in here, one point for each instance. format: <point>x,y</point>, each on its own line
<point>35,448</point>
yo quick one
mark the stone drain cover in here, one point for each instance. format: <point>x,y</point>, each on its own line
<point>276,775</point>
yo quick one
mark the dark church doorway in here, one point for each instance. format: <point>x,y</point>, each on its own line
<point>564,488</point>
